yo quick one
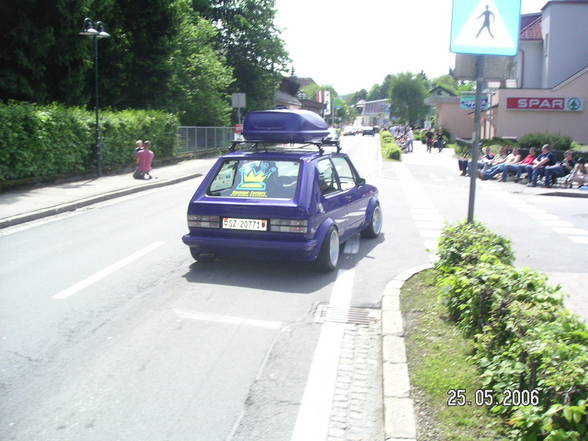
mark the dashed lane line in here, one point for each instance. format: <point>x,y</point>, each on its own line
<point>226,319</point>
<point>106,272</point>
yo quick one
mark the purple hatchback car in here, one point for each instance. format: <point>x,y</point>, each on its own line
<point>282,202</point>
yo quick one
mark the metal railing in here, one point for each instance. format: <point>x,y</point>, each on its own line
<point>202,139</point>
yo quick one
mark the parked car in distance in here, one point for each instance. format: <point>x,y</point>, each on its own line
<point>368,130</point>
<point>278,202</point>
<point>332,138</point>
<point>349,131</point>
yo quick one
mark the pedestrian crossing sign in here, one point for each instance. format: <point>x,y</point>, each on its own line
<point>485,27</point>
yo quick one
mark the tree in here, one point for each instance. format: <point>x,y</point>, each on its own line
<point>358,96</point>
<point>374,93</point>
<point>407,94</point>
<point>135,69</point>
<point>200,78</point>
<point>41,52</point>
<point>251,44</point>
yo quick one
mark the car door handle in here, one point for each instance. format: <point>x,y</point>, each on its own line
<point>349,198</point>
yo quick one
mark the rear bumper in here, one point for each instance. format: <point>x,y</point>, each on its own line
<point>304,250</point>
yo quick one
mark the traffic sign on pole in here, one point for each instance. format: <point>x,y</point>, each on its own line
<point>468,102</point>
<point>485,27</point>
<point>238,100</point>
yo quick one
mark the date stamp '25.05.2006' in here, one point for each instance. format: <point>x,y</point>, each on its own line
<point>487,397</point>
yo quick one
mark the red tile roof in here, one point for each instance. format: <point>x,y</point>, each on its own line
<point>531,27</point>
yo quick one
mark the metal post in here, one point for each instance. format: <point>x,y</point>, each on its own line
<point>333,111</point>
<point>238,115</point>
<point>97,108</point>
<point>476,144</point>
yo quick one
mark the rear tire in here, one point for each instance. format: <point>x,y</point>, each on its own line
<point>330,250</point>
<point>374,229</point>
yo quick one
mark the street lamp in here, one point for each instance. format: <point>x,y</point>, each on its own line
<point>96,32</point>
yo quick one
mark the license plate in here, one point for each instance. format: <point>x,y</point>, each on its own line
<point>232,223</point>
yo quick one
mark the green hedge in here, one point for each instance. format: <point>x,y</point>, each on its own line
<point>555,140</point>
<point>525,339</point>
<point>55,141</point>
<point>390,149</point>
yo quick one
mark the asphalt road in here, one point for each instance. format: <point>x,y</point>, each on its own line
<point>109,330</point>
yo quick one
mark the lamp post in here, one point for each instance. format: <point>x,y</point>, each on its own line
<point>96,32</point>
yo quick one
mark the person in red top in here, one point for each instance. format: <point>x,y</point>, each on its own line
<point>519,167</point>
<point>144,160</point>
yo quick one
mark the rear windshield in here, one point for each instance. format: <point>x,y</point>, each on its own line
<point>256,178</point>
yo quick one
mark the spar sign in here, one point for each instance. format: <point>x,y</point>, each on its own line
<point>561,104</point>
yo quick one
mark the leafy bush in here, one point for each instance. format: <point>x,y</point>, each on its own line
<point>54,140</point>
<point>463,149</point>
<point>390,149</point>
<point>525,340</point>
<point>466,244</point>
<point>555,140</point>
<point>497,141</point>
<point>476,295</point>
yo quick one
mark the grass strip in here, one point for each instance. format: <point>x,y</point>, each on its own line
<point>438,362</point>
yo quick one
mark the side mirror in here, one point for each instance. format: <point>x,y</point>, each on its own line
<point>361,181</point>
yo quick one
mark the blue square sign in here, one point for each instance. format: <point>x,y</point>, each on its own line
<point>485,27</point>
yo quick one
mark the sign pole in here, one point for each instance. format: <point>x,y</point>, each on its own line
<point>477,129</point>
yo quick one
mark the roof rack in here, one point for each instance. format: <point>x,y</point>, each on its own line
<point>263,145</point>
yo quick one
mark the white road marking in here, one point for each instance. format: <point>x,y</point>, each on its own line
<point>428,218</point>
<point>571,231</point>
<point>226,319</point>
<point>431,245</point>
<point>430,233</point>
<point>579,239</point>
<point>424,211</point>
<point>106,271</point>
<point>531,210</point>
<point>560,224</point>
<point>429,225</point>
<point>312,422</point>
<point>543,217</point>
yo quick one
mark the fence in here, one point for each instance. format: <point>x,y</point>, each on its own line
<point>202,139</point>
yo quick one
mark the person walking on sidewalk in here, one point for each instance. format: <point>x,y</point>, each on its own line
<point>144,160</point>
<point>409,140</point>
<point>440,143</point>
<point>429,136</point>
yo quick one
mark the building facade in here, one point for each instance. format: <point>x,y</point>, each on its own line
<point>547,89</point>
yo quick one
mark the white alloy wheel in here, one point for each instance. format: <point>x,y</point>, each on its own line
<point>334,248</point>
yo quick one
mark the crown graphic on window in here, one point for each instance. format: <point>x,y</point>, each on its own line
<point>254,180</point>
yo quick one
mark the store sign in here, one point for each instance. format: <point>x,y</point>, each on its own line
<point>562,104</point>
<point>468,102</point>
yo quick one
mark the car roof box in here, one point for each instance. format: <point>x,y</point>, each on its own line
<point>284,126</point>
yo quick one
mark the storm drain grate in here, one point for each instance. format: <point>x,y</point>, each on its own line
<point>358,316</point>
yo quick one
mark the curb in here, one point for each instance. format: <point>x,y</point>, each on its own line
<point>399,418</point>
<point>70,206</point>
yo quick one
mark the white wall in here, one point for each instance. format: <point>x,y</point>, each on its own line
<point>530,59</point>
<point>565,33</point>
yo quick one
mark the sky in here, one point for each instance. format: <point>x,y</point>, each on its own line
<point>354,44</point>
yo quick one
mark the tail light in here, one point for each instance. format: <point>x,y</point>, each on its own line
<point>199,221</point>
<point>288,225</point>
